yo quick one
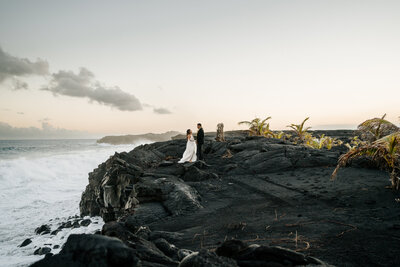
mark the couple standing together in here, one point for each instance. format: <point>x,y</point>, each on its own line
<point>194,148</point>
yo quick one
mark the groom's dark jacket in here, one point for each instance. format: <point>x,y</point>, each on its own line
<point>200,136</point>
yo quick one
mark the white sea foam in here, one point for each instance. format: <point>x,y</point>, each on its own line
<point>43,185</point>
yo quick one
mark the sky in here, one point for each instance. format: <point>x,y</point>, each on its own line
<point>93,68</point>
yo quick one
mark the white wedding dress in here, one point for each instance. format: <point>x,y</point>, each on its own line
<point>190,152</point>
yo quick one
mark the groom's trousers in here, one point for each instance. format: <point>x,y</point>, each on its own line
<point>200,151</point>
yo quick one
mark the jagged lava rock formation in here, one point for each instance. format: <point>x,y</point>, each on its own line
<point>274,195</point>
<point>151,174</point>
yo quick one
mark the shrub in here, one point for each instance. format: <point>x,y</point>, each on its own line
<point>257,126</point>
<point>300,130</point>
<point>384,151</point>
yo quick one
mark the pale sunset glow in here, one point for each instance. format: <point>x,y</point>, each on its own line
<point>336,62</point>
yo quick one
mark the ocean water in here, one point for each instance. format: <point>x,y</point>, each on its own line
<point>41,182</point>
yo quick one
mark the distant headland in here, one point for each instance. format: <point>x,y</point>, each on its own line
<point>131,139</point>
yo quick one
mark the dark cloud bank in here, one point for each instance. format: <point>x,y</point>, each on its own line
<point>46,132</point>
<point>161,111</point>
<point>82,84</point>
<point>12,67</point>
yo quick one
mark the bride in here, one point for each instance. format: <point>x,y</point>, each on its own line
<point>191,148</point>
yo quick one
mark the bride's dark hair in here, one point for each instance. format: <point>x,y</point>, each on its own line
<point>187,132</point>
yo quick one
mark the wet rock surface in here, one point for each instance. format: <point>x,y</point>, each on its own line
<point>274,195</point>
<point>119,247</point>
<point>25,242</point>
<point>91,250</point>
<point>42,230</point>
<point>42,251</point>
<point>206,258</point>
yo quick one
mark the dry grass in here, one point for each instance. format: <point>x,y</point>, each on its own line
<point>385,152</point>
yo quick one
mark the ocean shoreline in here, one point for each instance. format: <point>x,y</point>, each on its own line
<point>287,200</point>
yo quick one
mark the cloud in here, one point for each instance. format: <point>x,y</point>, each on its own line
<point>18,85</point>
<point>156,110</point>
<point>47,131</point>
<point>11,67</point>
<point>84,84</point>
<point>161,111</point>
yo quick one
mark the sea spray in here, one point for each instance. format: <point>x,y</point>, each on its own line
<point>41,183</point>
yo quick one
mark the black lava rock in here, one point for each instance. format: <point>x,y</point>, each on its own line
<point>76,224</point>
<point>42,251</point>
<point>44,229</point>
<point>55,232</point>
<point>91,250</point>
<point>86,222</point>
<point>25,243</point>
<point>206,258</point>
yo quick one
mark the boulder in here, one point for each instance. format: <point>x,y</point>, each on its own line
<point>148,252</point>
<point>206,258</point>
<point>42,251</point>
<point>44,229</point>
<point>117,229</point>
<point>182,253</point>
<point>167,248</point>
<point>91,250</point>
<point>25,243</point>
<point>85,222</point>
<point>76,224</point>
<point>55,232</point>
<point>143,249</point>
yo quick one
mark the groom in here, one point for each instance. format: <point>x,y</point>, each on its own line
<point>200,141</point>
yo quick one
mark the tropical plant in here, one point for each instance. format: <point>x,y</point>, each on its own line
<point>300,130</point>
<point>274,134</point>
<point>355,142</point>
<point>384,151</point>
<point>331,142</point>
<point>280,135</point>
<point>375,128</point>
<point>257,126</point>
<point>319,143</point>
